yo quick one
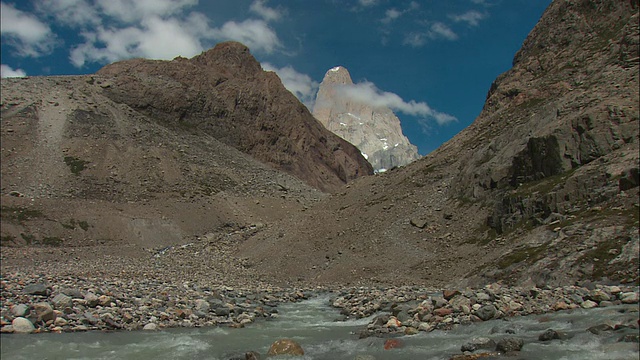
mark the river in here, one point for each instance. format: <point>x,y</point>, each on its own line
<point>312,324</point>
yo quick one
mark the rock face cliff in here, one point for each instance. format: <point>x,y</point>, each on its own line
<point>375,130</point>
<point>541,189</point>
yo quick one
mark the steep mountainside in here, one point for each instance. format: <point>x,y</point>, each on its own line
<point>542,188</point>
<point>374,130</point>
<point>225,93</point>
<point>150,154</point>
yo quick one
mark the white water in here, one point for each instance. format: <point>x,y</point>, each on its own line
<point>312,324</point>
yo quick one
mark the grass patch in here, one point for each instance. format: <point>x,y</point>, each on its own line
<point>528,254</point>
<point>19,213</point>
<point>602,254</point>
<point>83,225</point>
<point>544,185</point>
<point>73,224</point>
<point>76,165</point>
<point>52,241</point>
<point>28,238</point>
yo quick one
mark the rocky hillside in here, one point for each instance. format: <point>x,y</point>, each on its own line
<point>375,130</point>
<point>149,154</point>
<point>541,189</point>
<point>225,93</point>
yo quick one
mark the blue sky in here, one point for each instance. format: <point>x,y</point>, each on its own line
<point>431,61</point>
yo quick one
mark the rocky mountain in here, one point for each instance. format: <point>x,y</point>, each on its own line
<point>375,130</point>
<point>157,169</point>
<point>148,154</point>
<point>541,189</point>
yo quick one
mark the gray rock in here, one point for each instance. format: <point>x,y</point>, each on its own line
<point>509,345</point>
<point>629,298</point>
<point>419,223</point>
<point>222,311</point>
<point>44,312</point>
<point>19,310</point>
<point>150,327</point>
<point>600,328</point>
<point>486,312</point>
<point>36,289</point>
<point>74,293</point>
<point>551,334</point>
<point>62,301</point>
<point>92,299</point>
<point>22,326</point>
<point>202,306</point>
<point>478,343</point>
<point>89,319</point>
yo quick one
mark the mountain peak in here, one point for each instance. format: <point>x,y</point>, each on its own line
<point>337,75</point>
<point>374,130</point>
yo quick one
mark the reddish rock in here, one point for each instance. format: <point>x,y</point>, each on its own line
<point>393,344</point>
<point>449,294</point>
<point>443,312</point>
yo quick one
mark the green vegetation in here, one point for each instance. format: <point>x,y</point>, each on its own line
<point>52,241</point>
<point>19,213</point>
<point>73,224</point>
<point>28,238</point>
<point>528,254</point>
<point>76,165</point>
<point>602,254</point>
<point>544,185</point>
<point>7,240</point>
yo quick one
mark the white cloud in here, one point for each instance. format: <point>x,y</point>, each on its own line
<point>70,12</point>
<point>255,34</point>
<point>437,31</point>
<point>23,31</point>
<point>156,29</point>
<point>6,71</point>
<point>366,92</point>
<point>391,15</point>
<point>130,11</point>
<point>148,41</point>
<point>366,3</point>
<point>301,85</point>
<point>268,14</point>
<point>440,30</point>
<point>471,17</point>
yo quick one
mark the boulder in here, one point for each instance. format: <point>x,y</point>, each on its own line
<point>629,297</point>
<point>36,289</point>
<point>551,334</point>
<point>285,347</point>
<point>22,326</point>
<point>150,327</point>
<point>44,312</point>
<point>507,345</point>
<point>478,343</point>
<point>588,304</point>
<point>62,301</point>
<point>19,310</point>
<point>486,312</point>
<point>91,299</point>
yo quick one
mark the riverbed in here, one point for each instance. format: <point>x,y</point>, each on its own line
<point>312,323</point>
